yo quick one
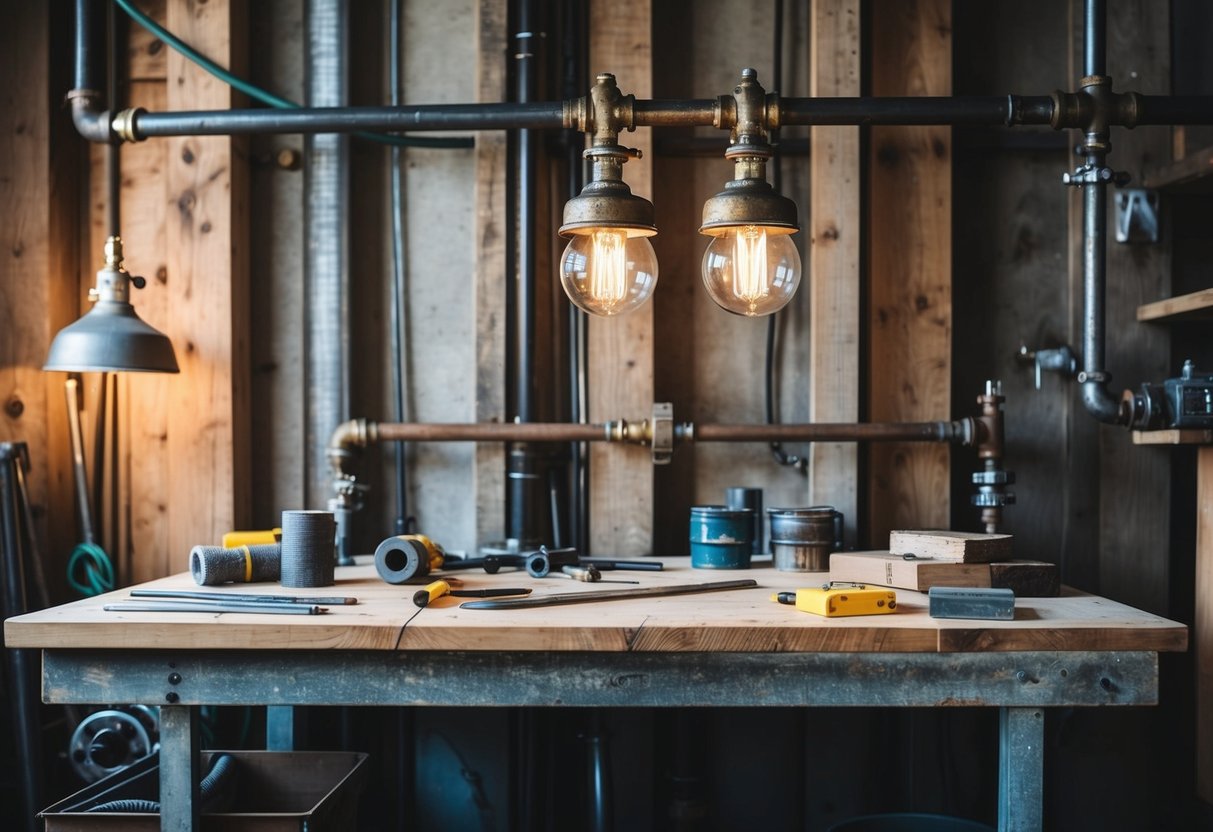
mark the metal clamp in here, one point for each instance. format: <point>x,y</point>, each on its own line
<point>662,437</point>
<point>1095,175</point>
<point>1137,216</point>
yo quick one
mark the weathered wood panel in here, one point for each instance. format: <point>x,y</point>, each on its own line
<point>620,350</point>
<point>207,283</point>
<point>910,264</point>
<point>37,264</point>
<point>833,273</point>
<point>1203,626</point>
<point>1135,482</point>
<point>490,234</point>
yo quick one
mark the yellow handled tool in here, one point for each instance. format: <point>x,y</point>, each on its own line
<point>839,598</point>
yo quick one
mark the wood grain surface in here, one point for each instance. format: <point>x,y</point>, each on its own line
<point>910,265</point>
<point>744,620</point>
<point>833,274</point>
<point>621,349</point>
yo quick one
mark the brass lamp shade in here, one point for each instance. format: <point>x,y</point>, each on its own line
<point>111,337</point>
<point>748,202</point>
<point>608,204</point>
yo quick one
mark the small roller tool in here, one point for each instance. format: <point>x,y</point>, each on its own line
<point>437,589</point>
<point>589,574</point>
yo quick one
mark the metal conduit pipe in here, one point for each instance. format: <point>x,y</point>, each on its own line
<point>1059,110</point>
<point>355,434</point>
<point>91,122</point>
<point>1094,378</point>
<point>326,267</point>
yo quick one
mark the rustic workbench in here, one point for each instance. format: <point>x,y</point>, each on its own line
<point>733,648</point>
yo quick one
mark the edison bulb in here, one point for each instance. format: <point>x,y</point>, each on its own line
<point>751,270</point>
<point>605,272</point>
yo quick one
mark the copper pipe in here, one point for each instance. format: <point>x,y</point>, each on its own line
<point>958,431</point>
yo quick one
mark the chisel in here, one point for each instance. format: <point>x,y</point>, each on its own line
<point>605,595</point>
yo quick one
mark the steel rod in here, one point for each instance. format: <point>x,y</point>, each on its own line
<point>967,110</point>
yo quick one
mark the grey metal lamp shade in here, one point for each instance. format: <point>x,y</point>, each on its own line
<point>111,337</point>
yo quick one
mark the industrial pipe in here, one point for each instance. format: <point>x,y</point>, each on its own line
<point>326,268</point>
<point>1095,178</point>
<point>91,122</point>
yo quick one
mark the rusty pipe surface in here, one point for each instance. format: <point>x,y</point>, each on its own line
<point>361,433</point>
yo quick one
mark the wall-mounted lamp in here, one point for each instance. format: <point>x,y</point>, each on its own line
<point>111,336</point>
<point>609,266</point>
<point>751,267</point>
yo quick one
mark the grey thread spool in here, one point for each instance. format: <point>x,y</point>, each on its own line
<point>308,548</point>
<point>214,565</point>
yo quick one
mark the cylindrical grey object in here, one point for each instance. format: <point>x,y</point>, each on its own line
<point>398,559</point>
<point>738,496</point>
<point>803,538</point>
<point>214,565</point>
<point>308,548</point>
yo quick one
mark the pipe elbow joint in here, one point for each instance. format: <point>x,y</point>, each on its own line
<point>91,123</point>
<point>1100,403</point>
<point>349,438</point>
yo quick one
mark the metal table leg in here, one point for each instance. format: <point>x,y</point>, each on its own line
<point>179,768</point>
<point>279,728</point>
<point>1021,733</point>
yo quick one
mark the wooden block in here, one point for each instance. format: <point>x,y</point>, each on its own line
<point>1026,578</point>
<point>966,547</point>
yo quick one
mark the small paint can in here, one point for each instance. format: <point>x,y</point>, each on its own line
<point>721,537</point>
<point>743,497</point>
<point>803,538</point>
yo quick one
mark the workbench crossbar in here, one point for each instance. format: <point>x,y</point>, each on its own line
<point>356,678</point>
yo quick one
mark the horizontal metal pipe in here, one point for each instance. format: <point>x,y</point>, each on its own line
<point>993,109</point>
<point>490,432</point>
<point>687,113</point>
<point>1175,109</point>
<point>1008,110</point>
<point>349,119</point>
<point>958,431</point>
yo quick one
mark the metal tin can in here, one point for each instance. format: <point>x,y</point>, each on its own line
<point>803,538</point>
<point>721,537</point>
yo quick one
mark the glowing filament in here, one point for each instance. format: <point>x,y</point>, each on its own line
<point>750,265</point>
<point>608,267</point>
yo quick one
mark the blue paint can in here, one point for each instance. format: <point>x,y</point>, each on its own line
<point>721,537</point>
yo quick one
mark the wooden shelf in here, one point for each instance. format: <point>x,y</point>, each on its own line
<point>1192,174</point>
<point>1185,307</point>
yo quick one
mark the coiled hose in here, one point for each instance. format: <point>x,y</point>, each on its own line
<point>216,792</point>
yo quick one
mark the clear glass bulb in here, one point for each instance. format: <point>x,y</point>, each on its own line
<point>750,271</point>
<point>606,272</point>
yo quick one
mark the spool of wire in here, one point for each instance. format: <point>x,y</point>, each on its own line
<point>401,558</point>
<point>308,548</point>
<point>214,565</point>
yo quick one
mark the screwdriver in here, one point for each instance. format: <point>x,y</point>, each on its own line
<point>437,589</point>
<point>589,574</point>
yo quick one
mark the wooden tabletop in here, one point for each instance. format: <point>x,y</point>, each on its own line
<point>743,620</point>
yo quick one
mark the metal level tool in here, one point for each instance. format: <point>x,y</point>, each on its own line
<point>606,595</point>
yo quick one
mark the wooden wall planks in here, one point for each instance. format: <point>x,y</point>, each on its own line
<point>491,275</point>
<point>833,273</point>
<point>910,283</point>
<point>38,212</point>
<point>207,285</point>
<point>620,349</point>
<point>1203,625</point>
